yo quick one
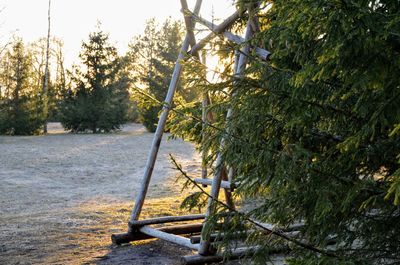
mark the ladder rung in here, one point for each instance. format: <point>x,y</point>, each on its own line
<point>224,184</point>
<point>166,219</point>
<point>180,240</point>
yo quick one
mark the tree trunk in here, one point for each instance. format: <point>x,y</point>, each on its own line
<point>46,74</point>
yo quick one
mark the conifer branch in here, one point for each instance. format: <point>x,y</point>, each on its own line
<point>252,221</point>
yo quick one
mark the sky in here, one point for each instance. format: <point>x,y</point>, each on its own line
<point>73,20</point>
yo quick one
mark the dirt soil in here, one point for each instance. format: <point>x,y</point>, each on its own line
<point>62,195</point>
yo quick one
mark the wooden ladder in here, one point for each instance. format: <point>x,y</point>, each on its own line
<point>141,229</point>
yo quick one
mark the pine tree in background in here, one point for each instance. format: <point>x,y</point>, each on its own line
<point>98,101</point>
<point>152,58</point>
<point>20,104</point>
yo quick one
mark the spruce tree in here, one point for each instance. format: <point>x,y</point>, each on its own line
<point>315,133</point>
<point>21,108</point>
<point>98,101</point>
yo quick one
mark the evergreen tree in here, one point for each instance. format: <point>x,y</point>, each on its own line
<point>315,131</point>
<point>20,102</point>
<point>98,101</point>
<point>152,58</point>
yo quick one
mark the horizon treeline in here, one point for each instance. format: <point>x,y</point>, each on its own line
<point>100,94</point>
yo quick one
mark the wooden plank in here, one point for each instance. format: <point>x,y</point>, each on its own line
<point>185,229</point>
<point>166,219</point>
<point>160,128</point>
<point>176,239</point>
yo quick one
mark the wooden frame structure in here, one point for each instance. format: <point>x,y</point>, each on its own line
<point>222,178</point>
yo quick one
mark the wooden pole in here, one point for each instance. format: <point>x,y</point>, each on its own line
<point>217,30</point>
<point>166,219</point>
<point>231,171</point>
<point>205,245</point>
<point>176,239</point>
<point>208,182</point>
<point>189,23</point>
<point>185,229</point>
<point>160,128</point>
<point>219,236</point>
<point>261,53</point>
<point>204,106</point>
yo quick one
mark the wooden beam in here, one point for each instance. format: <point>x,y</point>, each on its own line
<point>234,254</point>
<point>160,128</point>
<point>208,182</point>
<point>166,219</point>
<point>186,229</point>
<point>217,30</point>
<point>261,53</point>
<point>217,237</point>
<point>176,239</point>
<point>189,23</point>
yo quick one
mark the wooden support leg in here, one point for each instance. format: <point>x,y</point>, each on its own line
<point>204,126</point>
<point>158,136</point>
<point>204,248</point>
<point>160,127</point>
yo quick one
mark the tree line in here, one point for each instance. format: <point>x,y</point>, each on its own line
<point>98,95</point>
